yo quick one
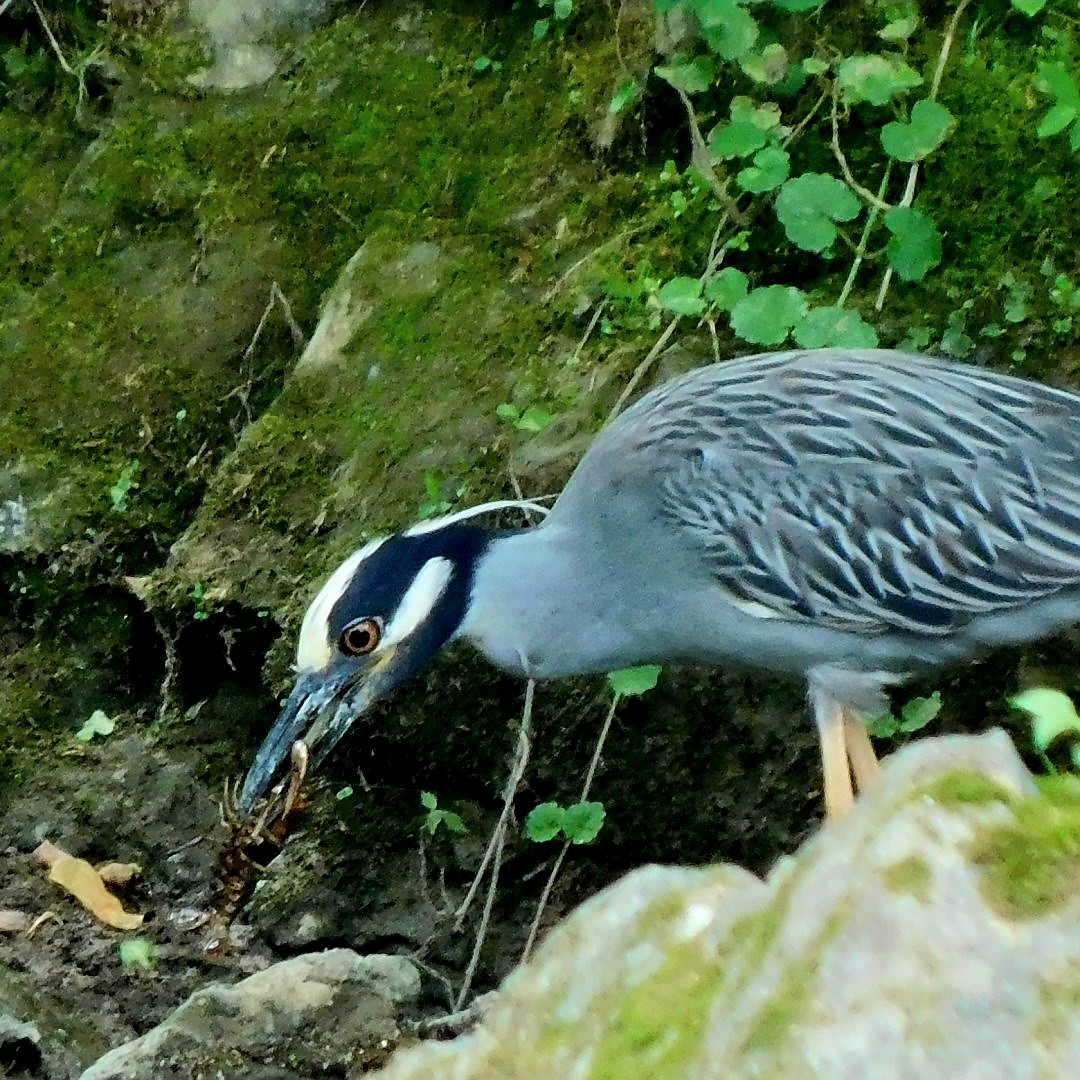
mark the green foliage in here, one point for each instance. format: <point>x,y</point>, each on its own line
<point>531,419</point>
<point>439,496</point>
<point>579,823</point>
<point>1053,716</point>
<point>125,483</point>
<point>769,170</point>
<point>434,818</point>
<point>1054,78</point>
<point>97,723</point>
<point>767,315</point>
<point>914,716</point>
<point>197,594</point>
<point>915,245</point>
<point>875,79</point>
<point>928,128</point>
<point>834,327</point>
<point>635,681</point>
<point>727,288</point>
<point>682,295</point>
<point>810,205</point>
<point>759,83</point>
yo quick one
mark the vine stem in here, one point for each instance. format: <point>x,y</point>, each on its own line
<point>521,759</point>
<point>864,239</point>
<point>534,929</point>
<point>913,173</point>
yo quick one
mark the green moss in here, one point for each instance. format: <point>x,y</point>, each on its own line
<point>1031,864</point>
<point>657,1027</point>
<point>966,789</point>
<point>910,876</point>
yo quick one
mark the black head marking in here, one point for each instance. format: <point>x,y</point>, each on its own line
<point>385,576</point>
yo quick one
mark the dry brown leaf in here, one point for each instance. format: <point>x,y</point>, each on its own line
<point>85,884</point>
<point>119,873</point>
<point>13,922</point>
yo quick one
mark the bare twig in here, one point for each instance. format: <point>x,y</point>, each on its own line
<point>864,239</point>
<point>542,903</point>
<point>866,194</point>
<point>68,69</point>
<point>521,759</point>
<point>588,332</point>
<point>589,255</point>
<point>276,297</point>
<point>700,155</point>
<point>642,368</point>
<point>534,929</point>
<point>485,918</point>
<point>801,126</point>
<point>456,1021</point>
<point>913,173</point>
<point>5,5</point>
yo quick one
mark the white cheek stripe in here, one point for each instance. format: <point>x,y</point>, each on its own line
<point>314,650</point>
<point>419,600</point>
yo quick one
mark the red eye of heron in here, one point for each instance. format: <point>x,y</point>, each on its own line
<point>360,637</point>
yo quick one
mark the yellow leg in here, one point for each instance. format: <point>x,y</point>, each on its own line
<point>860,751</point>
<point>829,717</point>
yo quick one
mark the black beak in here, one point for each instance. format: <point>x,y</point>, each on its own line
<point>320,709</point>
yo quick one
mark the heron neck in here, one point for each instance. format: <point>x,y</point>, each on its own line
<point>539,607</point>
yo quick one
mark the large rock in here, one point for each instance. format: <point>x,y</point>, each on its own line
<point>330,1012</point>
<point>935,933</point>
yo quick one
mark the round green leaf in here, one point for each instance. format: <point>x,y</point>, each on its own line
<point>915,245</point>
<point>808,205</point>
<point>690,78</point>
<point>1056,120</point>
<point>726,289</point>
<point>583,822</point>
<point>768,66</point>
<point>900,28</point>
<point>735,140</point>
<point>428,800</point>
<point>928,128</point>
<point>770,169</point>
<point>875,79</point>
<point>834,327</point>
<point>545,822</point>
<point>765,316</point>
<point>745,110</point>
<point>918,712</point>
<point>634,681</point>
<point>729,30</point>
<point>1052,714</point>
<point>683,296</point>
<point>97,723</point>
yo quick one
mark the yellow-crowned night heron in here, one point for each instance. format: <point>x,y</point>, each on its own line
<point>848,516</point>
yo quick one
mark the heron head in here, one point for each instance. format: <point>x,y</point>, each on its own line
<point>384,612</point>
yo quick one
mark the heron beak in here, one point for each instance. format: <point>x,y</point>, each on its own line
<point>320,709</point>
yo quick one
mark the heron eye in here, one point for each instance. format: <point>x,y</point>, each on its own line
<point>360,637</point>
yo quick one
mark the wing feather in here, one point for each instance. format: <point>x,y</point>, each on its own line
<point>863,490</point>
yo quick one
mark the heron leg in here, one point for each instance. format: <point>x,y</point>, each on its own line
<point>831,725</point>
<point>860,751</point>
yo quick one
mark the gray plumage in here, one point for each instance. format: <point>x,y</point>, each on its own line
<point>868,510</point>
<point>849,516</point>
